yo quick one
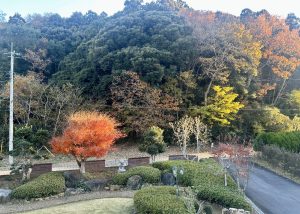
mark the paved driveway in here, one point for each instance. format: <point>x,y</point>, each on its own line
<point>272,193</point>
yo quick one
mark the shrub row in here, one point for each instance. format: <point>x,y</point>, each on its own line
<point>286,140</point>
<point>159,200</point>
<point>222,195</point>
<point>45,185</point>
<point>195,173</point>
<point>148,173</point>
<point>281,158</point>
<point>208,179</point>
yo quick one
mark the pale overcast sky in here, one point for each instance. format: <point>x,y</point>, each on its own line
<point>66,7</point>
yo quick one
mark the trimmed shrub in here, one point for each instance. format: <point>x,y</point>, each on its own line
<point>159,200</point>
<point>148,173</point>
<point>286,140</point>
<point>222,195</point>
<point>206,171</point>
<point>153,142</point>
<point>208,179</point>
<point>45,185</point>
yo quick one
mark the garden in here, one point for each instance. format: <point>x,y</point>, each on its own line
<point>154,188</point>
<point>159,108</point>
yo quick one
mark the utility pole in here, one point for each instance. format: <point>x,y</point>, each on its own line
<point>11,105</point>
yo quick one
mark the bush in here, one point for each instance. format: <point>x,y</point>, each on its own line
<point>45,185</point>
<point>148,173</point>
<point>207,177</point>
<point>153,142</point>
<point>227,197</point>
<point>206,171</point>
<point>158,200</point>
<point>281,158</point>
<point>286,140</point>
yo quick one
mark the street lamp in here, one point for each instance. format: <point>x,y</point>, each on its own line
<point>175,171</point>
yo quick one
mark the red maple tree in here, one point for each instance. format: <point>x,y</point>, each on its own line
<point>235,158</point>
<point>88,134</point>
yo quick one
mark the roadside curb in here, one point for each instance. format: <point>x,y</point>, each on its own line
<point>256,209</point>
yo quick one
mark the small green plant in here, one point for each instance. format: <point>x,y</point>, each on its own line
<point>148,173</point>
<point>159,199</point>
<point>153,142</point>
<point>45,185</point>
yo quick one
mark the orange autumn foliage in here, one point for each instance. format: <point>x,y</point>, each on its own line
<point>281,46</point>
<point>88,134</point>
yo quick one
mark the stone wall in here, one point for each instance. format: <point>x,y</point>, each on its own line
<point>95,166</point>
<point>141,161</point>
<point>38,169</point>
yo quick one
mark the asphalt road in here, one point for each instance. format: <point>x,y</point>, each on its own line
<point>272,193</point>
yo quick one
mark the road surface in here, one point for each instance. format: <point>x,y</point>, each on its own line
<point>272,193</point>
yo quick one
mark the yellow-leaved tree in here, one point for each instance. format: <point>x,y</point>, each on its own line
<point>221,107</point>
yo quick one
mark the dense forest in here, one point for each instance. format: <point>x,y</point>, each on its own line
<point>150,64</point>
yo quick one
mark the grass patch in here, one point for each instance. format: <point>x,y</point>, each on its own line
<point>105,206</point>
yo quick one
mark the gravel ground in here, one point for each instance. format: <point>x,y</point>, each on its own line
<point>27,206</point>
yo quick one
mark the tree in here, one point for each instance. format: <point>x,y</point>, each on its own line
<point>137,105</point>
<point>43,106</point>
<point>24,150</point>
<point>227,50</point>
<point>27,93</point>
<point>38,60</point>
<point>16,19</point>
<point>88,134</point>
<point>201,132</point>
<point>281,48</point>
<point>2,16</point>
<point>235,158</point>
<point>182,131</point>
<point>153,142</point>
<point>221,108</point>
<point>64,100</point>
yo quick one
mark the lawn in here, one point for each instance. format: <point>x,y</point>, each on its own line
<point>99,206</point>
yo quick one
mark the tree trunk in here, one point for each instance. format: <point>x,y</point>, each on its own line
<point>279,92</point>
<point>57,119</point>
<point>82,167</point>
<point>184,147</point>
<point>198,144</point>
<point>207,92</point>
<point>225,178</point>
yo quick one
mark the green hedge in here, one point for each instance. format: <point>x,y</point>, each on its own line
<point>222,195</point>
<point>286,140</point>
<point>159,200</point>
<point>208,179</point>
<point>195,173</point>
<point>45,185</point>
<point>148,173</point>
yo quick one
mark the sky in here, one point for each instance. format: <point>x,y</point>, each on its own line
<point>66,7</point>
